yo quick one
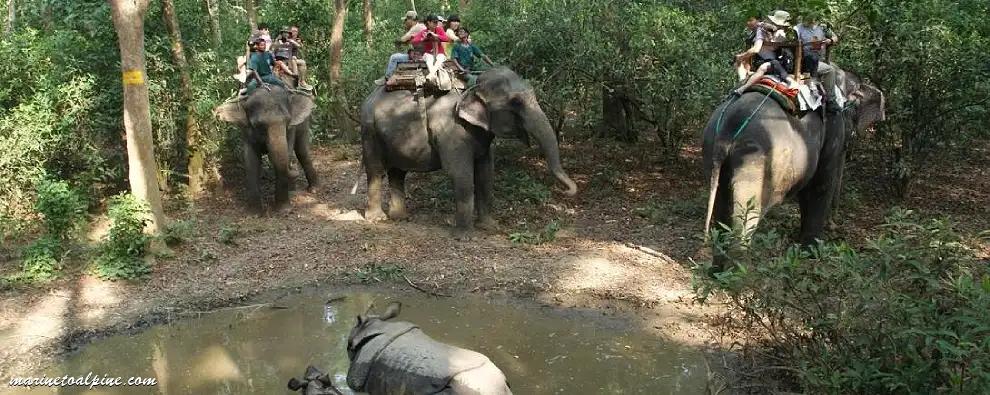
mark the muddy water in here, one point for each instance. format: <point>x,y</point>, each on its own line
<point>256,350</point>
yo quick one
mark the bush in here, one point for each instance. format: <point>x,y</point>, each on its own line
<point>61,206</point>
<point>122,251</point>
<point>42,259</point>
<point>905,313</point>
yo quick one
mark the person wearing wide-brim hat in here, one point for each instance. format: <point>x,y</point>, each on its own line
<point>780,18</point>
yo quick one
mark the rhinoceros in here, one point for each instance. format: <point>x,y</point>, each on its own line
<point>315,382</point>
<point>397,358</point>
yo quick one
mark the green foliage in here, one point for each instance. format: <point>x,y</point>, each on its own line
<point>228,234</point>
<point>179,232</point>
<point>904,314</point>
<point>547,235</point>
<point>376,273</point>
<point>43,259</point>
<point>518,186</point>
<point>122,252</point>
<point>61,206</point>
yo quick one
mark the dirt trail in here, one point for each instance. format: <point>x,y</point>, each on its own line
<point>605,257</point>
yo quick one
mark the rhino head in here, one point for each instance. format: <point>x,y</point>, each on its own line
<point>368,327</point>
<point>315,382</point>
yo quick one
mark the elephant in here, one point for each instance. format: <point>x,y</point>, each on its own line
<point>402,131</point>
<point>756,155</point>
<point>396,358</point>
<point>273,120</point>
<point>315,382</point>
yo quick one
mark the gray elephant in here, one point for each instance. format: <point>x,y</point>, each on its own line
<point>396,358</point>
<point>273,120</point>
<point>401,133</point>
<point>756,155</point>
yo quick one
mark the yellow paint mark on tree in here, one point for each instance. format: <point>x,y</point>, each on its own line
<point>133,77</point>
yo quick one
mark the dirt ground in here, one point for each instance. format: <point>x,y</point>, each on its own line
<point>625,245</point>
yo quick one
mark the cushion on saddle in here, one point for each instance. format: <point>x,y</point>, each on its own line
<point>412,76</point>
<point>779,92</point>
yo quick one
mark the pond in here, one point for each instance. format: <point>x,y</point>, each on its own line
<point>257,349</point>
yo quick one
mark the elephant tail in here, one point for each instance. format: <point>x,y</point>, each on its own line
<point>720,150</point>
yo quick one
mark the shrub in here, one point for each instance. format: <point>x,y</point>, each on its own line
<point>42,259</point>
<point>547,235</point>
<point>178,232</point>
<point>905,313</point>
<point>122,251</point>
<point>61,206</point>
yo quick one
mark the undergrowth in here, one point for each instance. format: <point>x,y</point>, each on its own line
<point>122,251</point>
<point>907,313</point>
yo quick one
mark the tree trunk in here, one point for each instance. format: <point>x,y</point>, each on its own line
<point>252,14</point>
<point>369,22</point>
<point>412,3</point>
<point>8,29</point>
<point>128,20</point>
<point>337,39</point>
<point>194,153</point>
<point>213,10</point>
<point>464,5</point>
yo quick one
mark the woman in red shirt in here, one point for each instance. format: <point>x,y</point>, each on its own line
<point>430,39</point>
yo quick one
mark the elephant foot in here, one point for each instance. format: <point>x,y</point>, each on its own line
<point>488,224</point>
<point>311,188</point>
<point>462,234</point>
<point>398,215</point>
<point>375,215</point>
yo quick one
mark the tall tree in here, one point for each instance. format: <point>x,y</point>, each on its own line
<point>128,20</point>
<point>337,39</point>
<point>252,14</point>
<point>213,10</point>
<point>11,18</point>
<point>194,153</point>
<point>369,22</point>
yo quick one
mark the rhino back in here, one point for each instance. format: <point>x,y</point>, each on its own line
<point>414,363</point>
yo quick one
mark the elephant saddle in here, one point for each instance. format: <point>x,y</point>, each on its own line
<point>415,75</point>
<point>808,97</point>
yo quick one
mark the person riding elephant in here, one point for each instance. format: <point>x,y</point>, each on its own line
<point>454,132</point>
<point>756,154</point>
<point>396,358</point>
<point>273,121</point>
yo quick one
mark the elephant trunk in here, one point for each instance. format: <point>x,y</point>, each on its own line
<point>538,126</point>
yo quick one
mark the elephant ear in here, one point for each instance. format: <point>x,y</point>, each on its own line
<point>231,112</point>
<point>302,106</point>
<point>474,110</point>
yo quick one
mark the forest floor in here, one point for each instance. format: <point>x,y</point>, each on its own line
<point>625,244</point>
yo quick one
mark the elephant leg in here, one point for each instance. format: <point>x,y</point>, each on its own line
<point>397,194</point>
<point>460,165</point>
<point>252,167</point>
<point>819,197</point>
<point>375,170</point>
<point>278,154</point>
<point>484,190</point>
<point>722,215</point>
<point>302,146</point>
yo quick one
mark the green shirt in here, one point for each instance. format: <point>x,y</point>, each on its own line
<point>465,53</point>
<point>262,63</point>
